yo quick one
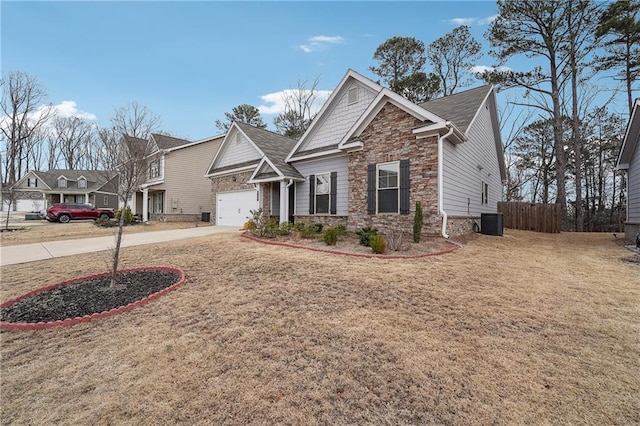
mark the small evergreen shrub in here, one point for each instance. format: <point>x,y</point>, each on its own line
<point>418,220</point>
<point>129,217</point>
<point>285,228</point>
<point>306,230</point>
<point>318,228</point>
<point>330,236</point>
<point>365,235</point>
<point>257,222</point>
<point>249,226</point>
<point>271,228</point>
<point>378,244</point>
<point>342,230</point>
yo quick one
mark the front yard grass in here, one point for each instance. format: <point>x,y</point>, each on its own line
<point>525,328</point>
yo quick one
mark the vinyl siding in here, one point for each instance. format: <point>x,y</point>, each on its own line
<point>633,208</point>
<point>237,151</point>
<point>327,165</point>
<point>462,176</point>
<point>187,191</point>
<point>339,120</point>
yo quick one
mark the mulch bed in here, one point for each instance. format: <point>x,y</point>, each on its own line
<point>83,299</point>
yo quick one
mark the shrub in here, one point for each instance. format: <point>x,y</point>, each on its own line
<point>378,244</point>
<point>330,236</point>
<point>271,228</point>
<point>394,239</point>
<point>365,234</point>
<point>249,226</point>
<point>128,215</point>
<point>418,220</point>
<point>285,228</point>
<point>318,228</point>
<point>342,230</point>
<point>258,222</point>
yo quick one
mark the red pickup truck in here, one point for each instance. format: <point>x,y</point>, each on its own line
<point>64,212</point>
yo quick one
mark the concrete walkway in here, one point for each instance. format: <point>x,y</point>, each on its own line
<point>31,252</point>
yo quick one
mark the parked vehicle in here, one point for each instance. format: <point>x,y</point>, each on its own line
<point>64,212</point>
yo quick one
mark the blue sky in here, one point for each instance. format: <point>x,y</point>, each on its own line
<point>189,62</point>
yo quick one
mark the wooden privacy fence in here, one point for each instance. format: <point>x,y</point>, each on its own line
<point>531,217</point>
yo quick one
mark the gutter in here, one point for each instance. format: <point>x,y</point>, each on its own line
<point>441,179</point>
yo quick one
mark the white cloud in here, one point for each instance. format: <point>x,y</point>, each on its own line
<point>479,69</point>
<point>472,21</point>
<point>320,42</point>
<point>63,109</point>
<point>274,103</point>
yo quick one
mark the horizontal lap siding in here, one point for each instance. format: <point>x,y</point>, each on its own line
<point>235,152</point>
<point>334,164</point>
<point>462,178</point>
<point>633,213</point>
<point>185,186</point>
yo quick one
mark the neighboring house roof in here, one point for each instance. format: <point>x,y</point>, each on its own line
<point>460,108</point>
<point>168,142</point>
<point>631,138</point>
<point>97,180</point>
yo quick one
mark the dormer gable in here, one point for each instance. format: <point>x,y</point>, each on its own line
<point>62,182</point>
<point>82,182</point>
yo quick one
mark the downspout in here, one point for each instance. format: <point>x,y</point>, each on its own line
<point>441,180</point>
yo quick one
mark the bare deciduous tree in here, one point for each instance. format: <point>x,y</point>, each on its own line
<point>22,94</point>
<point>73,134</point>
<point>300,105</point>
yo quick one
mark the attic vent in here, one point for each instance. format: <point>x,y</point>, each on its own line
<point>238,138</point>
<point>353,95</point>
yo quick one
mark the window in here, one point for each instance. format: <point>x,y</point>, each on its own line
<point>352,95</point>
<point>388,189</point>
<point>82,183</point>
<point>485,192</point>
<point>62,182</point>
<point>323,191</point>
<point>105,200</point>
<point>154,169</point>
<point>157,202</point>
<point>32,183</point>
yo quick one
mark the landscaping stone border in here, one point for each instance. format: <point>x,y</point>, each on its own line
<point>455,247</point>
<point>12,326</point>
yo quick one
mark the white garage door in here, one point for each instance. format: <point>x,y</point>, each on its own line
<point>233,207</point>
<point>29,205</point>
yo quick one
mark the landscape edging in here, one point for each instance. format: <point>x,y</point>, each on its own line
<point>14,326</point>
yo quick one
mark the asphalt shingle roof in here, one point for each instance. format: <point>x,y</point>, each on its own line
<point>96,179</point>
<point>459,108</point>
<point>168,142</point>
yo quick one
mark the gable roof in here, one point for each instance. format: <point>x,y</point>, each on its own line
<point>333,99</point>
<point>269,145</point>
<point>631,138</point>
<point>460,108</point>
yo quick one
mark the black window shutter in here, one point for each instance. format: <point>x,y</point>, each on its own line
<point>334,192</point>
<point>371,189</point>
<point>404,186</point>
<point>312,194</point>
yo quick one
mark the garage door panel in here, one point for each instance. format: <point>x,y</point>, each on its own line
<point>28,205</point>
<point>233,208</point>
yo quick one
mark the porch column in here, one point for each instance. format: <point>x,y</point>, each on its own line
<point>145,204</point>
<point>284,202</point>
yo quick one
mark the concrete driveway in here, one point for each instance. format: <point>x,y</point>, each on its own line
<point>31,252</point>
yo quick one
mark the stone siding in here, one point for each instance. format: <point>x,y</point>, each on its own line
<point>325,220</point>
<point>388,138</point>
<point>460,225</point>
<point>166,217</point>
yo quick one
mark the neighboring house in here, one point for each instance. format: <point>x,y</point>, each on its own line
<point>629,161</point>
<point>36,190</point>
<point>248,171</point>
<point>174,189</point>
<point>370,154</point>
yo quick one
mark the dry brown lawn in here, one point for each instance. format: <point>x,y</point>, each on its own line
<point>81,229</point>
<point>522,329</point>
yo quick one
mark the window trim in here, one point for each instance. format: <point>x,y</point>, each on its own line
<point>84,182</point>
<point>35,182</point>
<point>397,187</point>
<point>152,168</point>
<point>105,200</point>
<point>327,194</point>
